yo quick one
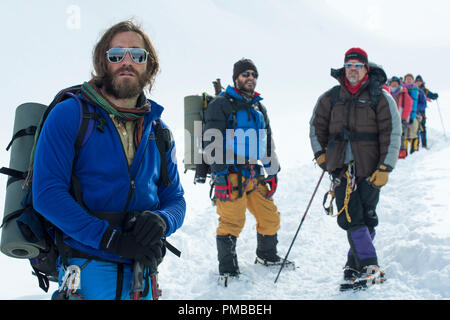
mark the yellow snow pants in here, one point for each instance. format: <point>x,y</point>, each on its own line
<point>232,213</point>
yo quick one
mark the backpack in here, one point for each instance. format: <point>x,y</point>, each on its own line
<point>334,95</point>
<point>26,233</point>
<point>346,134</point>
<point>194,120</point>
<point>195,107</point>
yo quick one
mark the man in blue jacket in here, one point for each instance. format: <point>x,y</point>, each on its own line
<point>427,94</point>
<point>243,142</point>
<point>124,212</point>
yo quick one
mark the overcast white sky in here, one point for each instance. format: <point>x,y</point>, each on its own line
<point>47,45</point>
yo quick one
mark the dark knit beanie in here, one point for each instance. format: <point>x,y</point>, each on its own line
<point>357,54</point>
<point>241,66</point>
<point>419,78</point>
<point>397,79</point>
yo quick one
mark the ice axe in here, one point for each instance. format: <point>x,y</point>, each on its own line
<point>301,222</point>
<point>442,121</point>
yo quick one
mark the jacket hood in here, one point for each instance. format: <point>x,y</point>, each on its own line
<point>377,76</point>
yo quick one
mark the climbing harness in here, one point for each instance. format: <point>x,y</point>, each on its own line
<point>350,187</point>
<point>70,283</point>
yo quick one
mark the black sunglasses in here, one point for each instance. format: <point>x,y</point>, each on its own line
<point>247,74</point>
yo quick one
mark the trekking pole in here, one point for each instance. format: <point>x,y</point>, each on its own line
<point>442,121</point>
<point>138,281</point>
<point>301,222</point>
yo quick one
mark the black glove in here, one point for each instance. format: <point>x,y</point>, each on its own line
<point>126,245</point>
<point>272,181</point>
<point>223,188</point>
<point>148,228</point>
<point>434,96</point>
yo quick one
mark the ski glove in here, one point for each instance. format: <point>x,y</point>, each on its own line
<point>433,96</point>
<point>272,181</point>
<point>223,188</point>
<point>380,177</point>
<point>148,228</point>
<point>126,245</point>
<point>321,161</point>
<point>404,125</point>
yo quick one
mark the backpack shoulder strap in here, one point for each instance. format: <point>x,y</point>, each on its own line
<point>375,98</point>
<point>86,122</point>
<point>263,110</point>
<point>334,95</point>
<point>231,100</point>
<point>83,127</point>
<point>164,143</point>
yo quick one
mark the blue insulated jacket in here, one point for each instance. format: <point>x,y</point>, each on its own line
<point>421,102</point>
<point>248,139</point>
<point>245,132</point>
<point>107,182</point>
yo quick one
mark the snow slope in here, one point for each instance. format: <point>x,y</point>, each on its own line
<point>294,44</point>
<point>413,240</point>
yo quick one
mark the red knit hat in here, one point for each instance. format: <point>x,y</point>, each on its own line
<point>357,54</point>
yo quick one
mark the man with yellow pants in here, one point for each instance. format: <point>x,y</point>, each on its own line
<point>243,140</point>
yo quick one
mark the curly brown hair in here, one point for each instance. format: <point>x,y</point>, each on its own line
<point>99,57</point>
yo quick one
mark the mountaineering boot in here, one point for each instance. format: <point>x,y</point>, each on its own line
<point>266,253</point>
<point>406,144</point>
<point>225,279</point>
<point>414,145</point>
<point>228,263</point>
<point>350,276</point>
<point>369,276</point>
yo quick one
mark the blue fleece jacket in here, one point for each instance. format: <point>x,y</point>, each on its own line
<point>421,102</point>
<point>106,179</point>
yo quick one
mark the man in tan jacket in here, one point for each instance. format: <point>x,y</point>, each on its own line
<point>355,135</point>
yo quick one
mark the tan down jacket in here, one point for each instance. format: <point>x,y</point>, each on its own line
<point>373,131</point>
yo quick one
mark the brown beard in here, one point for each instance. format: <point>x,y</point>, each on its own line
<point>126,89</point>
<point>241,86</point>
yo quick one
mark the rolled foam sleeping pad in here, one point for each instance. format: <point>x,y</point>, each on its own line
<point>193,110</point>
<point>13,242</point>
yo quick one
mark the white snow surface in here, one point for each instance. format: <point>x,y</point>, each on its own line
<point>412,241</point>
<point>294,44</point>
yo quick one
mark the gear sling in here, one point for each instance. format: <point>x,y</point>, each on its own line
<point>35,227</point>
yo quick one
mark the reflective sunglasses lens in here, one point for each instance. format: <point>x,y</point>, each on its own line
<point>248,74</point>
<point>358,65</point>
<point>139,55</point>
<point>115,55</point>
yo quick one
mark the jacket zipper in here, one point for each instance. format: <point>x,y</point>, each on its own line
<point>132,181</point>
